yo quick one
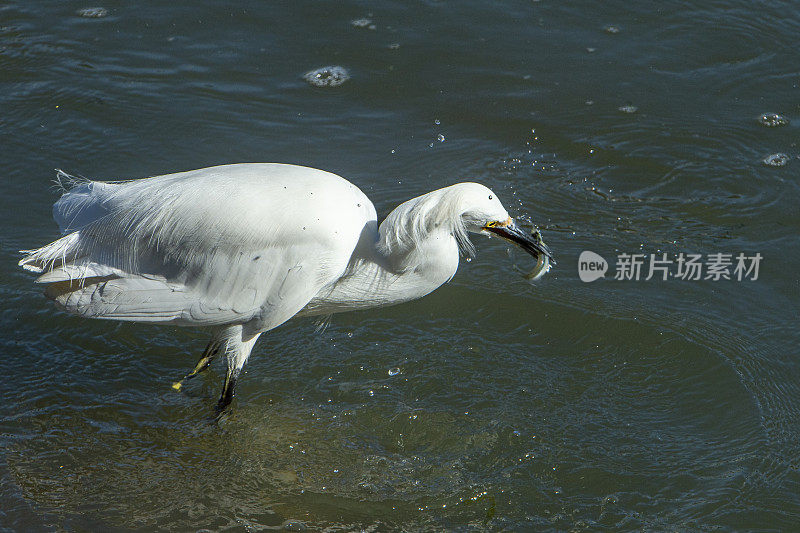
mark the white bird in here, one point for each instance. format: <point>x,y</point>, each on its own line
<point>243,248</point>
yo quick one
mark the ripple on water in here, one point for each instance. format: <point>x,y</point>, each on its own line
<point>93,12</point>
<point>776,160</point>
<point>772,120</point>
<point>330,76</point>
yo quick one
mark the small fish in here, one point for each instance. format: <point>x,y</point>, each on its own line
<point>542,261</point>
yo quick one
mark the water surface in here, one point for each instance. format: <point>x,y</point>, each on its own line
<point>491,404</point>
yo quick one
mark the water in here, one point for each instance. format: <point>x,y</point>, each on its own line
<point>491,404</point>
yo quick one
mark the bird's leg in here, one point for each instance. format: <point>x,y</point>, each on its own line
<point>229,389</point>
<point>211,351</point>
<point>237,351</point>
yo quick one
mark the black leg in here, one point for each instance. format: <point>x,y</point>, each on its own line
<point>228,390</point>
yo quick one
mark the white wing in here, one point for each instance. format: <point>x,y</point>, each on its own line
<point>247,243</point>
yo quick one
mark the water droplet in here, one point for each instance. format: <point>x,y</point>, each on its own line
<point>611,29</point>
<point>628,108</point>
<point>430,145</point>
<point>372,393</point>
<point>394,371</point>
<point>772,120</point>
<point>440,138</point>
<point>93,12</point>
<point>330,76</point>
<point>776,160</point>
<point>437,121</point>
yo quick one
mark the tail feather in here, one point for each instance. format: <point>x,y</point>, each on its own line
<point>51,256</point>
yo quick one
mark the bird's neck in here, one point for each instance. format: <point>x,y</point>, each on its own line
<point>378,279</point>
<point>414,252</point>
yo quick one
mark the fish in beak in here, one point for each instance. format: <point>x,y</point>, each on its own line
<point>530,242</point>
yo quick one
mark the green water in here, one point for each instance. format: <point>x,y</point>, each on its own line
<point>492,404</point>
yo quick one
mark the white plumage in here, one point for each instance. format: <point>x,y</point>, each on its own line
<point>243,248</point>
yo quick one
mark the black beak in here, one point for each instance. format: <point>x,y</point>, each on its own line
<point>531,243</point>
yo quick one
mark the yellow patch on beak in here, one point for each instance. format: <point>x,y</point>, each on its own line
<point>499,224</point>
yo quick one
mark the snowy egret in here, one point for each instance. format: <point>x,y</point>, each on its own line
<point>243,248</point>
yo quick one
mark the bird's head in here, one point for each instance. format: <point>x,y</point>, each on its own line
<point>483,213</point>
<point>461,209</point>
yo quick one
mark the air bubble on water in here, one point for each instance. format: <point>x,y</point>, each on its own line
<point>430,145</point>
<point>591,49</point>
<point>628,108</point>
<point>437,121</point>
<point>394,371</point>
<point>394,46</point>
<point>611,29</point>
<point>372,393</point>
<point>294,525</point>
<point>93,12</point>
<point>440,138</point>
<point>468,259</point>
<point>776,160</point>
<point>330,76</point>
<point>772,120</point>
<point>363,23</point>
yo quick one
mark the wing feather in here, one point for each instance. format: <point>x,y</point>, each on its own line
<point>235,243</point>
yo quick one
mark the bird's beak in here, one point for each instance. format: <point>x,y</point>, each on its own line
<point>531,243</point>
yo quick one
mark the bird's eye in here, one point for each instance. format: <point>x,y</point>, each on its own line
<point>490,197</point>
